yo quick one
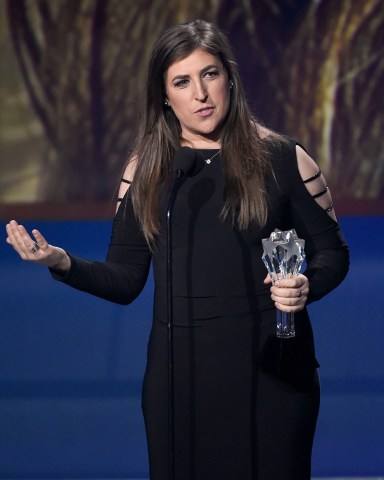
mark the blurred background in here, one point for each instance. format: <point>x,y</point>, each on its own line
<point>72,74</point>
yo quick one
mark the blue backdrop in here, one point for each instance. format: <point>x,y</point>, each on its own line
<point>71,366</point>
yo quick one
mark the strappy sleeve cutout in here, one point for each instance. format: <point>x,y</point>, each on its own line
<point>314,181</point>
<point>125,182</point>
<point>124,186</point>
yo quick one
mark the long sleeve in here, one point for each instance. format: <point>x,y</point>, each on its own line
<point>122,276</point>
<point>327,254</point>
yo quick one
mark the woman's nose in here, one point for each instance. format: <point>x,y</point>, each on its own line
<point>200,92</point>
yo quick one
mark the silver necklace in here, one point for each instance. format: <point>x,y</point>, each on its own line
<point>209,160</point>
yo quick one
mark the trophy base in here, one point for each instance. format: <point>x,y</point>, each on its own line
<point>285,335</point>
<point>285,324</point>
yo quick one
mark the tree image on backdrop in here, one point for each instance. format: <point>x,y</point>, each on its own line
<point>313,70</point>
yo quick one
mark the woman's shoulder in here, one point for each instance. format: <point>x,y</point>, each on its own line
<point>130,168</point>
<point>278,141</point>
<point>281,149</point>
<point>282,152</point>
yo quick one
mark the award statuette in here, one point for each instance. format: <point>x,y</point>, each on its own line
<point>283,256</point>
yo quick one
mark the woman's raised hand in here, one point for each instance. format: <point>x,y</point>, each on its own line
<point>36,249</point>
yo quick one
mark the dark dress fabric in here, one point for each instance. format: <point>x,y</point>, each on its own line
<point>246,403</point>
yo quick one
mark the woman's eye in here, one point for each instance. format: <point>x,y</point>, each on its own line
<point>181,83</point>
<point>211,74</point>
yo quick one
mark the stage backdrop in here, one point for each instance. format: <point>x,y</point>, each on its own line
<point>73,74</point>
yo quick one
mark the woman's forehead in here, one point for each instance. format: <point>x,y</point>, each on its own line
<point>196,60</point>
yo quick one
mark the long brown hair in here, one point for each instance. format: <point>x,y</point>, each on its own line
<point>244,153</point>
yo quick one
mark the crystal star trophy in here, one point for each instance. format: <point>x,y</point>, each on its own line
<point>283,256</point>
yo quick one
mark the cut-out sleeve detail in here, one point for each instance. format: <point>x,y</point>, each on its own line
<point>126,180</point>
<point>314,181</point>
<point>311,179</point>
<point>323,192</point>
<point>123,189</point>
<point>124,186</point>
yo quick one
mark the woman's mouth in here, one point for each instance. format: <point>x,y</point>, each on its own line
<point>205,112</point>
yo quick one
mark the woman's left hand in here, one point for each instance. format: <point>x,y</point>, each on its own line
<point>289,294</point>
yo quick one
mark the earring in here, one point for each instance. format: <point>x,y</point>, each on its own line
<point>166,103</point>
<point>230,84</point>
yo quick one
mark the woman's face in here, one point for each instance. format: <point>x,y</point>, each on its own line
<point>197,90</point>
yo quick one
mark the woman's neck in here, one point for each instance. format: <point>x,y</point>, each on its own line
<point>201,142</point>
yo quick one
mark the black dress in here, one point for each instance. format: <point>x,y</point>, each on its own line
<point>246,403</point>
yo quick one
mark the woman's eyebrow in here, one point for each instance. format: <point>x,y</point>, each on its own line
<point>180,77</point>
<point>203,70</point>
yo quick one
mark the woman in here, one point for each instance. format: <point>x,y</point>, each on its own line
<point>246,403</point>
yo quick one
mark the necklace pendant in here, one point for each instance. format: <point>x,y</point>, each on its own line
<point>209,160</point>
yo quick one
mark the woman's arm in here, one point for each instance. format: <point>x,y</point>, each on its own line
<point>119,279</point>
<point>122,276</point>
<point>314,219</point>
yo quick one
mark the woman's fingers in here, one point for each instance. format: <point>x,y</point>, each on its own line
<point>35,248</point>
<point>290,295</point>
<point>19,238</point>
<point>267,280</point>
<point>28,248</point>
<point>40,240</point>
